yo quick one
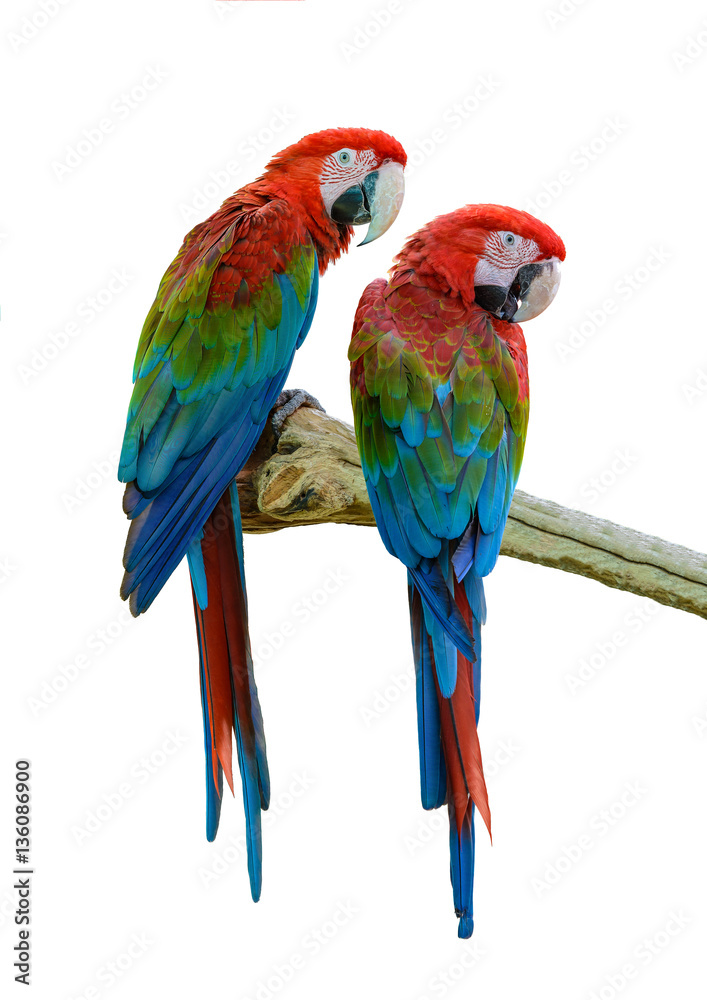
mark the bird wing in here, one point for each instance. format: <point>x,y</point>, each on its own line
<point>214,353</point>
<point>440,403</point>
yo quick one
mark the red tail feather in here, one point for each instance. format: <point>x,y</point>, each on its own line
<point>222,634</point>
<point>460,738</point>
<point>235,616</point>
<point>211,629</point>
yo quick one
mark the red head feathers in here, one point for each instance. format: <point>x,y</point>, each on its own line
<point>481,252</point>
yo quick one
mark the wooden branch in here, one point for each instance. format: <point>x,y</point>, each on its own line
<point>314,477</point>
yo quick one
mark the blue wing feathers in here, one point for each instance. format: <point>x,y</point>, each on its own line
<point>413,426</point>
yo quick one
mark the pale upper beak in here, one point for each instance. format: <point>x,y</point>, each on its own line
<point>388,190</point>
<point>538,287</point>
<point>376,200</point>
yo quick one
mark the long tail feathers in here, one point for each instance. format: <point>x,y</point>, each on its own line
<point>451,769</point>
<point>228,692</point>
<point>433,773</point>
<point>461,854</point>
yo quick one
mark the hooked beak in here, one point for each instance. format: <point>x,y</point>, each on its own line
<point>385,188</point>
<point>533,289</point>
<point>538,284</point>
<point>376,200</point>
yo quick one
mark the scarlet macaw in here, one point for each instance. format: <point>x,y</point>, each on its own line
<point>214,353</point>
<point>439,384</point>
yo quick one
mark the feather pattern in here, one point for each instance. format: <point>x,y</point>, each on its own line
<point>213,356</point>
<point>228,682</point>
<point>440,399</point>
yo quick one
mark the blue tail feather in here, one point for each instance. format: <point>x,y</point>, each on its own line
<point>214,793</point>
<point>445,655</point>
<point>437,779</point>
<point>461,852</point>
<point>197,571</point>
<point>229,693</point>
<point>252,803</point>
<point>433,773</point>
<point>433,588</point>
<point>256,714</point>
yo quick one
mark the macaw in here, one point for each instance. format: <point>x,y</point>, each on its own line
<point>214,353</point>
<point>439,386</point>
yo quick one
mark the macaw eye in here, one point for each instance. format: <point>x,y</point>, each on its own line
<point>344,156</point>
<point>509,239</point>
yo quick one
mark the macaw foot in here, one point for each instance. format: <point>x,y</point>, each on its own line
<point>287,402</point>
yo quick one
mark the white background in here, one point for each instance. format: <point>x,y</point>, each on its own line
<point>338,701</point>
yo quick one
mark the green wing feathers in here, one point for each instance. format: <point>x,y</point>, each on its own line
<point>438,408</point>
<point>223,320</point>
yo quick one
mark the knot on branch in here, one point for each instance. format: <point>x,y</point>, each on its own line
<point>312,475</point>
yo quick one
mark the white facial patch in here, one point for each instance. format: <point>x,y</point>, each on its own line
<point>502,258</point>
<point>337,176</point>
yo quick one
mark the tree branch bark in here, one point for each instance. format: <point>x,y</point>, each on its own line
<point>314,476</point>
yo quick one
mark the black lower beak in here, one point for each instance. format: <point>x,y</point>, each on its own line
<point>494,299</point>
<point>352,208</point>
<point>503,302</point>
